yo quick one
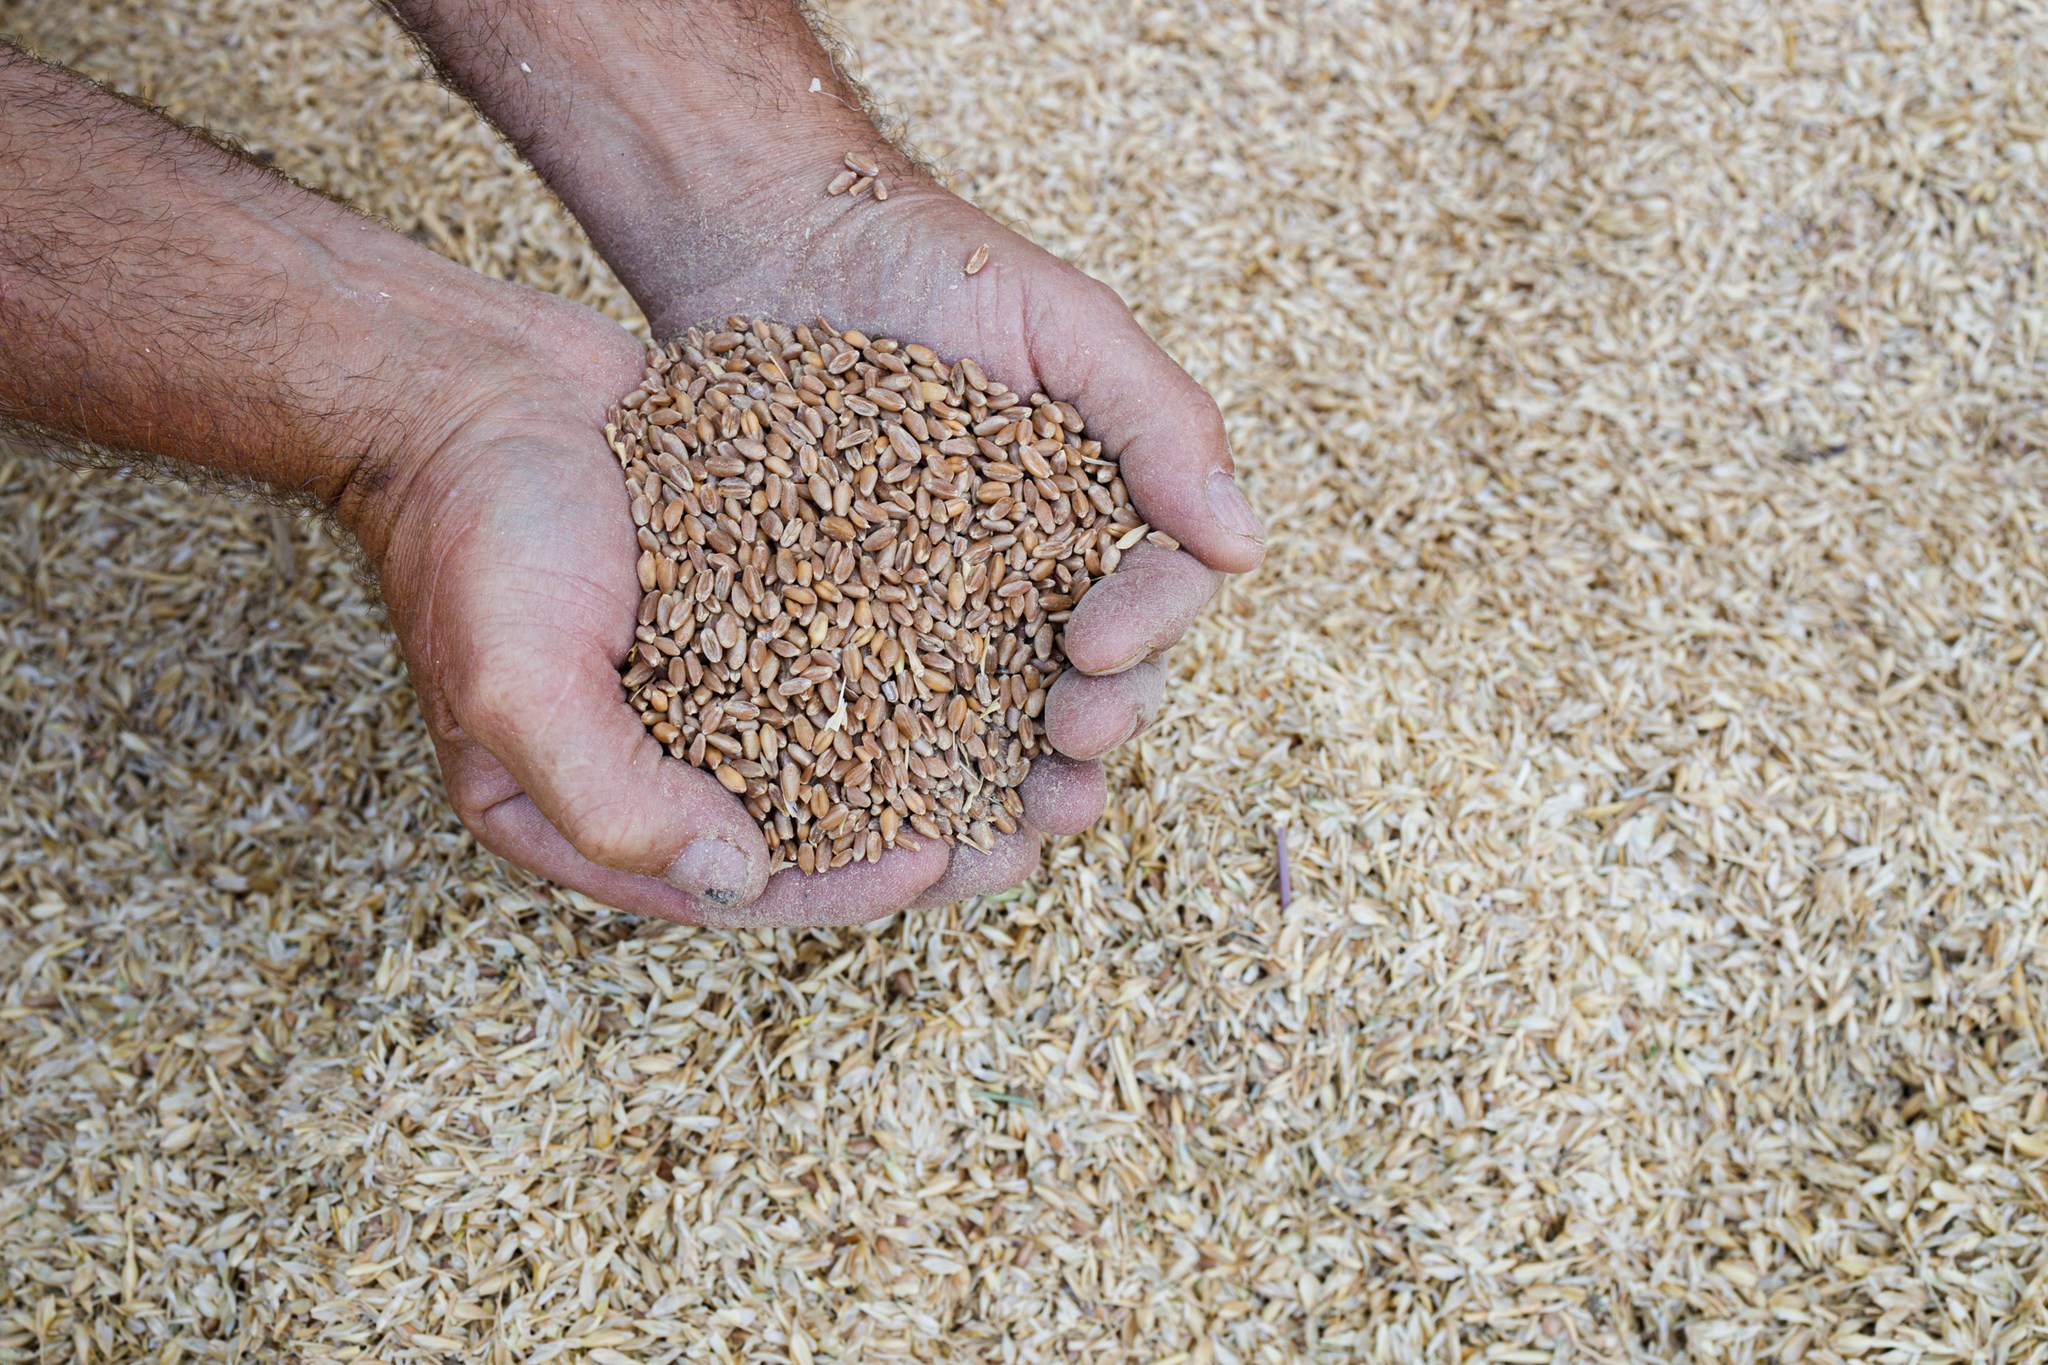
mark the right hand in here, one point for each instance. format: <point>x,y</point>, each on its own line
<point>506,558</point>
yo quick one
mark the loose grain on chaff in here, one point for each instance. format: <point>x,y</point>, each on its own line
<point>855,562</point>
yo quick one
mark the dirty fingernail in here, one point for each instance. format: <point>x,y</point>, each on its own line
<point>1227,500</point>
<point>711,868</point>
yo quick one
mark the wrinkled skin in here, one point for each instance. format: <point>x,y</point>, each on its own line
<point>511,575</point>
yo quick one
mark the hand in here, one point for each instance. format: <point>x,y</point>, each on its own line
<point>507,562</point>
<point>510,578</point>
<point>897,268</point>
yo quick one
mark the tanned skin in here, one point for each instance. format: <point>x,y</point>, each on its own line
<point>163,297</point>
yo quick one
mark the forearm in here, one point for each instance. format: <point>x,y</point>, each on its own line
<point>671,128</point>
<point>160,295</point>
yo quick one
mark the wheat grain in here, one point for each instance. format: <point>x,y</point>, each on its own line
<point>905,538</point>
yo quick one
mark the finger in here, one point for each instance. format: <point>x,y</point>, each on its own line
<point>852,894</point>
<point>1138,611</point>
<point>1062,795</point>
<point>516,831</point>
<point>508,823</point>
<point>1087,717</point>
<point>1162,426</point>
<point>559,723</point>
<point>974,873</point>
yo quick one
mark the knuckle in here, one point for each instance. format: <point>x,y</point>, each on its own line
<point>1201,420</point>
<point>601,833</point>
<point>466,798</point>
<point>486,700</point>
<point>474,816</point>
<point>1106,297</point>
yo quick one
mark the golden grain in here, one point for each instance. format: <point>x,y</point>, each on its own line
<point>869,680</point>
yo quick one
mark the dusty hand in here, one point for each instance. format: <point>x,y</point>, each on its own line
<point>703,183</point>
<point>508,568</point>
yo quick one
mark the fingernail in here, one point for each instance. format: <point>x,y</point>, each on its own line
<point>1227,500</point>
<point>711,868</point>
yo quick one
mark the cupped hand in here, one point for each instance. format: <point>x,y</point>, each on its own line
<point>506,558</point>
<point>708,198</point>
<point>509,568</point>
<point>899,268</point>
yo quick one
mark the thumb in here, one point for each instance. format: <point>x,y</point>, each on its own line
<point>1163,427</point>
<point>559,723</point>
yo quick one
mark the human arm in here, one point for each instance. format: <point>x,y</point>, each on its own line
<point>162,298</point>
<point>688,138</point>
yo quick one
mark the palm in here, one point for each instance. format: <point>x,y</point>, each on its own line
<point>898,269</point>
<point>510,581</point>
<point>539,572</point>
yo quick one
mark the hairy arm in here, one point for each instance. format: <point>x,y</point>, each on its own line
<point>161,296</point>
<point>669,127</point>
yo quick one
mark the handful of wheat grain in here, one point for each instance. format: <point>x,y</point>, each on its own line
<point>855,560</point>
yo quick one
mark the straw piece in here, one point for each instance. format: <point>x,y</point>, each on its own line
<point>1286,887</point>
